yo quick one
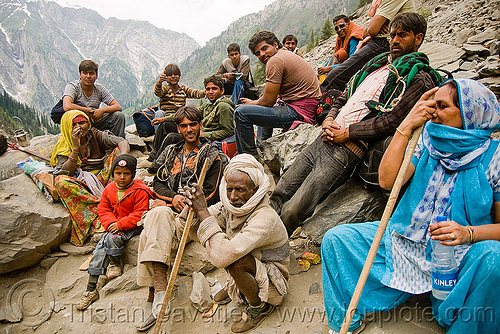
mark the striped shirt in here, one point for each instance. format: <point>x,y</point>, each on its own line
<point>99,94</point>
<point>170,101</point>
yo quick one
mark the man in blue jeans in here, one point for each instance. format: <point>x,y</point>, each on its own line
<point>290,97</point>
<point>370,110</point>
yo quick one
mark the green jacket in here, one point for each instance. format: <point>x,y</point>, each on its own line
<point>217,123</point>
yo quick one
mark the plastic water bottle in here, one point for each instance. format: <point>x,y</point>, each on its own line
<point>322,76</point>
<point>444,270</point>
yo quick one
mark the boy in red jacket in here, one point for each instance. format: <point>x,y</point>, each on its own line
<point>122,204</point>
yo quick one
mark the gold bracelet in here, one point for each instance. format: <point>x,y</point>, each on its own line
<point>402,134</point>
<point>471,234</point>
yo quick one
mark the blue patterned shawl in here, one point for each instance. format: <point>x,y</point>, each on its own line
<point>465,196</point>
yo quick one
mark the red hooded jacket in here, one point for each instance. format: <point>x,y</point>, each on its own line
<point>128,211</point>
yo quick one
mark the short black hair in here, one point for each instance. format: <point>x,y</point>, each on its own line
<point>172,69</point>
<point>410,22</point>
<point>88,65</point>
<point>215,79</point>
<point>191,113</point>
<point>290,38</point>
<point>233,47</point>
<point>260,36</point>
<point>341,17</point>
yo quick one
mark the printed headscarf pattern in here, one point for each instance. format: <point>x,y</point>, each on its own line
<point>65,142</point>
<point>459,151</point>
<point>245,163</point>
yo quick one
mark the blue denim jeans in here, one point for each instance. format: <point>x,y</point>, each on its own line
<point>338,77</point>
<point>109,245</point>
<point>316,172</point>
<point>159,113</point>
<point>236,89</point>
<point>248,115</point>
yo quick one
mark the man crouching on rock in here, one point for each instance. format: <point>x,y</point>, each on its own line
<point>243,234</point>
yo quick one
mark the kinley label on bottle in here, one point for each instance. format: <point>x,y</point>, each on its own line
<point>444,282</point>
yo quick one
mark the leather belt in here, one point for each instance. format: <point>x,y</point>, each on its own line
<point>355,149</point>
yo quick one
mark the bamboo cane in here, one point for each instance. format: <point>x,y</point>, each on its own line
<point>178,257</point>
<point>391,202</point>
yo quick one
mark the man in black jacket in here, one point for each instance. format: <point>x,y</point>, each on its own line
<point>180,165</point>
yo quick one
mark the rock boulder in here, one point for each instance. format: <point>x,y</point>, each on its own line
<point>42,145</point>
<point>280,151</point>
<point>351,203</point>
<point>31,227</point>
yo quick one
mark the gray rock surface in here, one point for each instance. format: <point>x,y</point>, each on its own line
<point>441,54</point>
<point>463,36</point>
<point>351,203</point>
<point>476,49</point>
<point>74,250</point>
<point>485,36</point>
<point>490,67</point>
<point>31,227</point>
<point>193,259</point>
<point>41,145</point>
<point>135,141</point>
<point>280,151</point>
<point>124,283</point>
<point>495,48</point>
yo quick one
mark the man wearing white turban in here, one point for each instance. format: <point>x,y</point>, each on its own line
<point>243,234</point>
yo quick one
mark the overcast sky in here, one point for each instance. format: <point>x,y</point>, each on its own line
<point>200,19</point>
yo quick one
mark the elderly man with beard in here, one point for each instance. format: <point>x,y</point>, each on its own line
<point>243,234</point>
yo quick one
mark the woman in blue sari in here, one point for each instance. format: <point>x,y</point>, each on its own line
<point>455,173</point>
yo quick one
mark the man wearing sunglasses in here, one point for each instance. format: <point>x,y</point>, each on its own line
<point>348,36</point>
<point>375,41</point>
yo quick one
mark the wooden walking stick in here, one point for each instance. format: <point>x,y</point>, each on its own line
<point>391,202</point>
<point>178,257</point>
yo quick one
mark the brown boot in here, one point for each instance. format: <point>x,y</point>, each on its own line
<point>87,298</point>
<point>248,322</point>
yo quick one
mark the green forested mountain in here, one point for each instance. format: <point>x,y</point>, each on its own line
<point>35,123</point>
<point>297,17</point>
<point>42,44</point>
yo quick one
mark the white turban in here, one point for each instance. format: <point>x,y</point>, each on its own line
<point>245,163</point>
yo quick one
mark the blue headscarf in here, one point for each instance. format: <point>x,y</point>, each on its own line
<point>465,196</point>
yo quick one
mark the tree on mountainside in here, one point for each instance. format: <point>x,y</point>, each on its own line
<point>327,30</point>
<point>259,74</point>
<point>363,2</point>
<point>311,44</point>
<point>36,124</point>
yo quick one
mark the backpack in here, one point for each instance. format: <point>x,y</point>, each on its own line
<point>325,104</point>
<point>251,92</point>
<point>57,112</point>
<point>142,120</point>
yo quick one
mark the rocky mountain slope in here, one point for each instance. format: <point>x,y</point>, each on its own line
<point>473,53</point>
<point>463,37</point>
<point>42,43</point>
<point>282,17</point>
